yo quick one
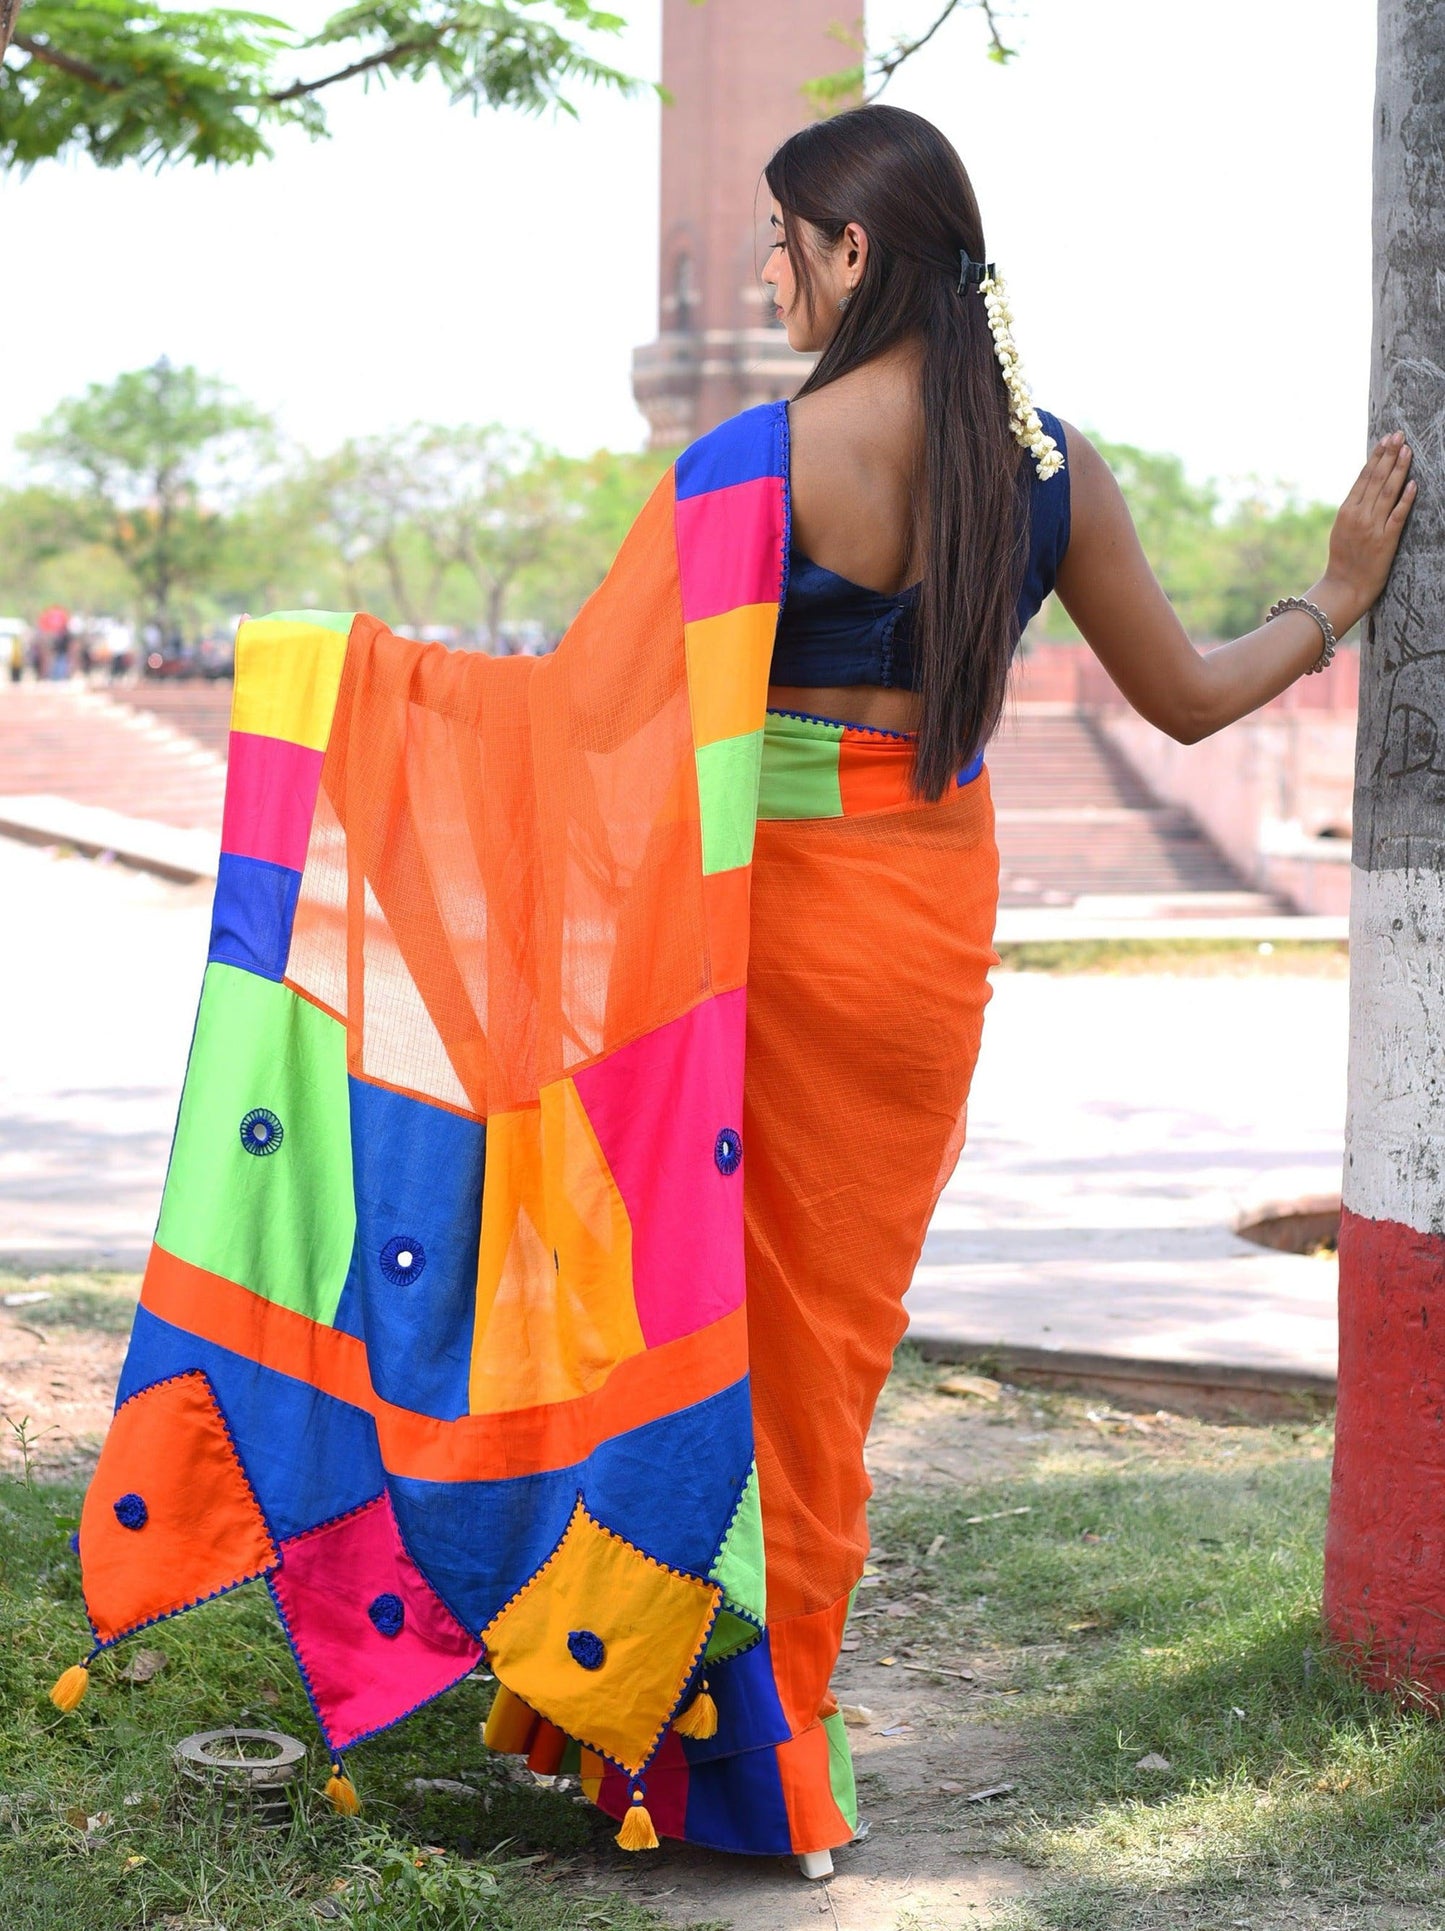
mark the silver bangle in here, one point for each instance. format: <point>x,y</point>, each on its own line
<point>1326,656</point>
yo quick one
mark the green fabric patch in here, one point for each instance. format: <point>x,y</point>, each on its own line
<point>840,1769</point>
<point>800,770</point>
<point>281,1223</point>
<point>338,620</point>
<point>727,789</point>
<point>730,1635</point>
<point>739,1565</point>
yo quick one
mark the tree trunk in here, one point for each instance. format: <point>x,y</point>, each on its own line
<point>1385,1549</point>
<point>9,14</point>
<point>496,605</point>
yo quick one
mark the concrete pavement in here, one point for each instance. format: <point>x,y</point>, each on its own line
<point>1119,1129</point>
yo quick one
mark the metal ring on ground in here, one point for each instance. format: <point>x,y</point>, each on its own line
<point>230,1763</point>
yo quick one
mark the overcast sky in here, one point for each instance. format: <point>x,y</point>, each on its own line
<point>1178,196</point>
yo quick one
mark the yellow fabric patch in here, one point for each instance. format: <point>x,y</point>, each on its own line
<point>650,1622</point>
<point>727,671</point>
<point>555,1307</point>
<point>287,677</point>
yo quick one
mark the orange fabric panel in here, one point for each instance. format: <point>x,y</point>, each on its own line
<point>232,1316</point>
<point>528,894</point>
<point>813,1816</point>
<point>555,1311</point>
<point>874,772</point>
<point>871,944</point>
<point>474,1447</point>
<point>804,1650</point>
<point>549,1746</point>
<point>169,1518</point>
<point>726,904</point>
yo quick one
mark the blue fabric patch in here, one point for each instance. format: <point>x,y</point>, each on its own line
<point>736,1803</point>
<point>402,1260</point>
<point>970,771</point>
<point>251,918</point>
<point>728,1150</point>
<point>418,1177</point>
<point>749,1714</point>
<point>308,1456</point>
<point>586,1647</point>
<point>737,451</point>
<point>261,1131</point>
<point>131,1511</point>
<point>478,1542</point>
<point>388,1612</point>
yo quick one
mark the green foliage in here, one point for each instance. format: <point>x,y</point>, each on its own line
<point>607,490</point>
<point>125,80</point>
<point>155,502</point>
<point>134,453</point>
<point>129,80</point>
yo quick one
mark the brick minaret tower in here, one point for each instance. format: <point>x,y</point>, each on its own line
<point>734,69</point>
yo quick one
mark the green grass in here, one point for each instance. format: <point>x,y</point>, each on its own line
<point>100,1303</point>
<point>1176,1594</point>
<point>1162,1597</point>
<point>165,1856</point>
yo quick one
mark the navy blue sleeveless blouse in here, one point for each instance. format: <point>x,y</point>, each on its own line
<point>835,632</point>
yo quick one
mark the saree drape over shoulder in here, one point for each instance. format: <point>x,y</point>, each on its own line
<point>580,1054</point>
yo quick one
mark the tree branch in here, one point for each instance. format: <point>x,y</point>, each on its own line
<point>385,58</point>
<point>888,64</point>
<point>51,57</point>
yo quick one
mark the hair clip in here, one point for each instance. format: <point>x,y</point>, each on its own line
<point>971,273</point>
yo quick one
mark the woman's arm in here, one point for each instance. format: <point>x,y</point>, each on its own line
<point>1106,585</point>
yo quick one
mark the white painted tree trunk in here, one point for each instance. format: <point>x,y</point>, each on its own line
<point>1385,1555</point>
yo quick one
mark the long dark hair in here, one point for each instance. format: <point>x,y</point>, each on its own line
<point>895,175</point>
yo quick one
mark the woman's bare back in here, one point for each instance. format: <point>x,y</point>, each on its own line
<point>853,460</point>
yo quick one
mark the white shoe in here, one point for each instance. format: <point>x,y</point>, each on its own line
<point>816,1865</point>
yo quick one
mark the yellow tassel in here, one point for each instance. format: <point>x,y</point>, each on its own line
<point>70,1687</point>
<point>637,1833</point>
<point>341,1793</point>
<point>699,1719</point>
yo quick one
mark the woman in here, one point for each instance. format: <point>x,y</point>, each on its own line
<point>468,1325</point>
<point>930,517</point>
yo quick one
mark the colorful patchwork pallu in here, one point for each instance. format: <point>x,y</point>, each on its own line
<point>444,1333</point>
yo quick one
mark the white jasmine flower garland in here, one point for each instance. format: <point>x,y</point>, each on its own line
<point>1028,431</point>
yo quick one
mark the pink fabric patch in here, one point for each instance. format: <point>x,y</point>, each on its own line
<point>361,1679</point>
<point>664,1787</point>
<point>730,547</point>
<point>270,798</point>
<point>657,1108</point>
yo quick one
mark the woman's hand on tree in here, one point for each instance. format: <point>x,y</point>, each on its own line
<point>1367,531</point>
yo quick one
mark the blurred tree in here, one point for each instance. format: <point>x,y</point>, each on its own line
<point>1260,547</point>
<point>48,555</point>
<point>498,503</point>
<point>608,489</point>
<point>128,80</point>
<point>1220,572</point>
<point>133,454</point>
